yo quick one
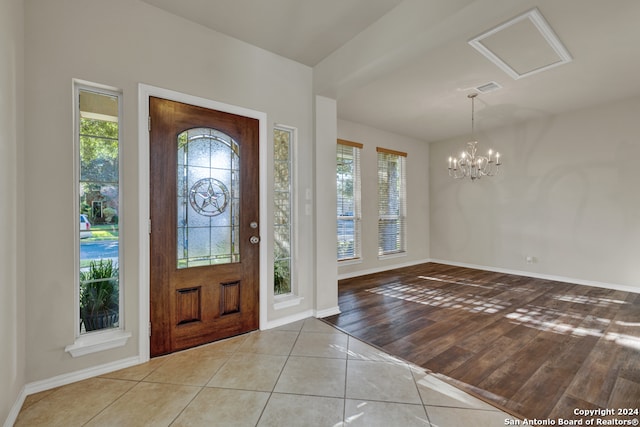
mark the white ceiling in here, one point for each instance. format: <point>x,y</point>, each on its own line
<point>405,66</point>
<point>303,30</point>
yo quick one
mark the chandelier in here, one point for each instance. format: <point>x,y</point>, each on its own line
<point>469,164</point>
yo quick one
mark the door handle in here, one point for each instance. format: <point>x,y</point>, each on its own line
<point>254,240</point>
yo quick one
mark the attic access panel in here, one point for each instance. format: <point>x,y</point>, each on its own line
<point>522,46</point>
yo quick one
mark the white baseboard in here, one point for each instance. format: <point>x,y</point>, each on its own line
<point>327,312</point>
<point>15,409</point>
<point>380,269</point>
<point>613,286</point>
<point>64,379</point>
<point>83,374</point>
<point>289,319</point>
<point>303,315</point>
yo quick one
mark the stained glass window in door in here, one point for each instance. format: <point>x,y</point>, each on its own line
<point>208,172</point>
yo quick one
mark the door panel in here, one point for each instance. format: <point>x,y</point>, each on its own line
<point>204,182</point>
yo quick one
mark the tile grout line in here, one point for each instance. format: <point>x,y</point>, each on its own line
<point>186,406</point>
<point>230,355</point>
<point>112,402</point>
<point>279,375</point>
<point>346,376</point>
<point>415,383</point>
<point>203,386</point>
<point>411,366</point>
<point>299,340</point>
<point>137,382</point>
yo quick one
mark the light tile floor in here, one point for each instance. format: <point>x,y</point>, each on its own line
<point>302,374</point>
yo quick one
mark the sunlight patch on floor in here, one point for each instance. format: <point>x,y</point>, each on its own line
<point>439,298</point>
<point>541,318</point>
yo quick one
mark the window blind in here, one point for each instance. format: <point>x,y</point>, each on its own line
<point>348,197</point>
<point>391,201</point>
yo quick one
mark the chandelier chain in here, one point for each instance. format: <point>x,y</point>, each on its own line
<point>473,115</point>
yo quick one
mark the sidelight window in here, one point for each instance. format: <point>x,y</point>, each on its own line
<point>97,217</point>
<point>283,140</point>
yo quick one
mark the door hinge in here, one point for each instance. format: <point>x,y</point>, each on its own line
<point>149,226</point>
<point>149,123</point>
<point>149,328</point>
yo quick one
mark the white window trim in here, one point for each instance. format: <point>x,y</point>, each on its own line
<point>398,254</point>
<point>349,261</point>
<point>287,300</point>
<point>93,342</point>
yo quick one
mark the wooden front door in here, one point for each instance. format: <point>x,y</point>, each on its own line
<point>204,225</point>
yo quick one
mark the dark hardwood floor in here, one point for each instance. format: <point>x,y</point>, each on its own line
<point>536,348</point>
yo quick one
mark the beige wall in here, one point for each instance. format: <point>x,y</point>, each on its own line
<point>122,43</point>
<point>417,196</point>
<point>325,237</point>
<point>567,196</point>
<point>12,313</point>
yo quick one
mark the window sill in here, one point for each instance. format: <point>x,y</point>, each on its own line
<point>393,255</point>
<point>98,341</point>
<point>350,261</point>
<point>286,301</point>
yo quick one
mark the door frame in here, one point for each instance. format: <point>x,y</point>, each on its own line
<point>144,92</point>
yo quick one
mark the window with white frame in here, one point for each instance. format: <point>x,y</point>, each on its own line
<point>391,202</point>
<point>283,142</point>
<point>348,197</point>
<point>97,142</point>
